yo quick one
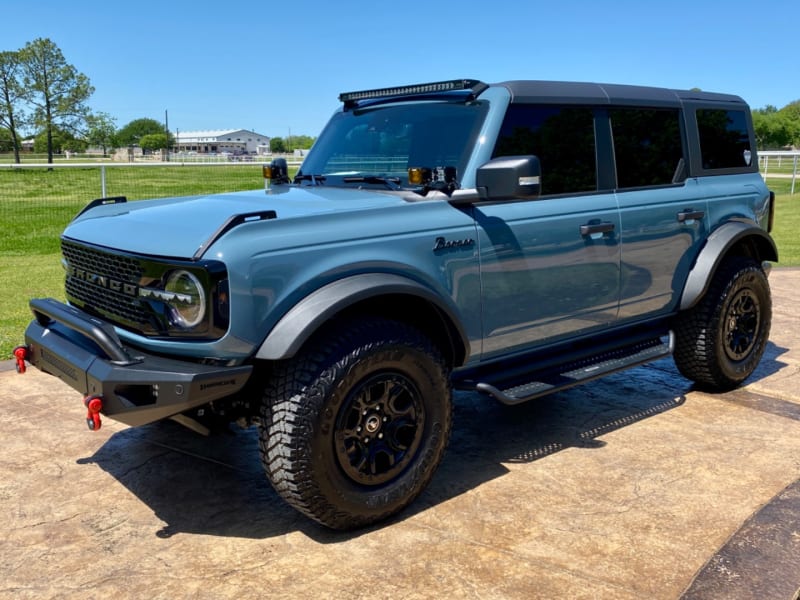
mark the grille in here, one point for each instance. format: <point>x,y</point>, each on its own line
<point>98,296</point>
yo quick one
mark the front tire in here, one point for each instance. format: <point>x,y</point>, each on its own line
<point>354,427</point>
<point>720,341</point>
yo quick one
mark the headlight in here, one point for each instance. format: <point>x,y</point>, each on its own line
<point>184,294</point>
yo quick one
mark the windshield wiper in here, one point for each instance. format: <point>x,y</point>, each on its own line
<point>393,183</point>
<point>314,179</point>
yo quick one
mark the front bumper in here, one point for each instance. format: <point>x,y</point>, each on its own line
<point>136,388</point>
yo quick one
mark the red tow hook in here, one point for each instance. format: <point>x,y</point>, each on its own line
<point>94,404</point>
<point>21,353</point>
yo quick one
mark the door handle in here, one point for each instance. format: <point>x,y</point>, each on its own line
<point>690,215</point>
<point>592,228</point>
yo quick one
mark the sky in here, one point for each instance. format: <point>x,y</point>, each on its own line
<point>277,67</point>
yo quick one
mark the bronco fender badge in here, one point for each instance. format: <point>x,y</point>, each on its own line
<point>442,244</point>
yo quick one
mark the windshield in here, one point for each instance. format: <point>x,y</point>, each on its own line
<point>377,145</point>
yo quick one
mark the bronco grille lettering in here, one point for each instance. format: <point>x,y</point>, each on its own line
<point>129,289</point>
<point>115,285</point>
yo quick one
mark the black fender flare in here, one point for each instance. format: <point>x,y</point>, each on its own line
<point>304,318</point>
<point>716,248</point>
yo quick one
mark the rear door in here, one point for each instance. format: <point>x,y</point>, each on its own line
<point>663,214</point>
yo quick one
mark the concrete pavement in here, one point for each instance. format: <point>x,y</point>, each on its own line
<point>636,486</point>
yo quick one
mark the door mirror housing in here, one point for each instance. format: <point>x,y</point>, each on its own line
<point>509,178</point>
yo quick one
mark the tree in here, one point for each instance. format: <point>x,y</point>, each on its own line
<point>792,113</point>
<point>55,89</point>
<point>299,142</point>
<point>131,134</point>
<point>154,141</point>
<point>277,145</point>
<point>6,141</point>
<point>776,129</point>
<point>281,145</point>
<point>101,131</point>
<point>792,110</point>
<point>59,141</point>
<point>11,97</point>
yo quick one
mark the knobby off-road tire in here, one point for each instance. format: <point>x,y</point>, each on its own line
<point>354,427</point>
<point>720,341</point>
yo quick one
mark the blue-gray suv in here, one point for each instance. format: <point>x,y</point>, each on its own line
<point>514,239</point>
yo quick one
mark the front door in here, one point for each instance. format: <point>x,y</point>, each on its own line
<point>549,268</point>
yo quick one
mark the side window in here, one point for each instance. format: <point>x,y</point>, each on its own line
<point>724,139</point>
<point>563,139</point>
<point>647,146</point>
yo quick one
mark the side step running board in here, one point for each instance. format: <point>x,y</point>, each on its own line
<point>576,373</point>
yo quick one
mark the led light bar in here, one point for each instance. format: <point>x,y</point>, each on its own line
<point>420,89</point>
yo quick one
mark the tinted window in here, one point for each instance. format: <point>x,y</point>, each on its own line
<point>724,140</point>
<point>647,146</point>
<point>386,140</point>
<point>562,138</point>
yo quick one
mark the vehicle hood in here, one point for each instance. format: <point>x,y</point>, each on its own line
<point>178,227</point>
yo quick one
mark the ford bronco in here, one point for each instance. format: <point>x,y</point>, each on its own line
<point>513,239</point>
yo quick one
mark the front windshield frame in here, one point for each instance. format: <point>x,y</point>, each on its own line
<point>381,142</point>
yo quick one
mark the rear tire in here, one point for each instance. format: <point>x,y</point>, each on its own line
<point>720,341</point>
<point>354,427</point>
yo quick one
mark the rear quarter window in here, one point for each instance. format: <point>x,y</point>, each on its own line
<point>724,139</point>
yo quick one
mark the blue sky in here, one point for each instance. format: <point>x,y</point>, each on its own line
<point>277,67</point>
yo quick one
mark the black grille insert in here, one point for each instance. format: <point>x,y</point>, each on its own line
<point>106,283</point>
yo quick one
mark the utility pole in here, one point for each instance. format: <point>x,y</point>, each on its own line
<point>166,132</point>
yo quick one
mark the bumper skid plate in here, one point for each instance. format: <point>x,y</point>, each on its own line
<point>136,388</point>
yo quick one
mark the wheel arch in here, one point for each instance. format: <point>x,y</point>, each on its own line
<point>381,294</point>
<point>736,238</point>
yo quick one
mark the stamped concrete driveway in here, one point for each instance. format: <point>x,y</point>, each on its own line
<point>635,486</point>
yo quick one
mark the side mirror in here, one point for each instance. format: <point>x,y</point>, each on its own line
<point>509,178</point>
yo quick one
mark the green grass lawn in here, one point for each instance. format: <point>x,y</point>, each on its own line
<point>32,276</point>
<point>30,263</point>
<point>36,204</point>
<point>787,221</point>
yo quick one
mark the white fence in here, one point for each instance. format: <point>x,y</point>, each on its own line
<point>776,164</point>
<point>779,164</point>
<point>94,176</point>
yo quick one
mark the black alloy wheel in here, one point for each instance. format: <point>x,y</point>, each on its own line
<point>353,428</point>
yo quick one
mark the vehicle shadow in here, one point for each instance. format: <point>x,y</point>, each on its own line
<point>769,364</point>
<point>216,486</point>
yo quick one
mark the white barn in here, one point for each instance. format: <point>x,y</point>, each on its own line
<point>234,141</point>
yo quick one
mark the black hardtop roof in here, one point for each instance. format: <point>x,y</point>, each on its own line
<point>573,92</point>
